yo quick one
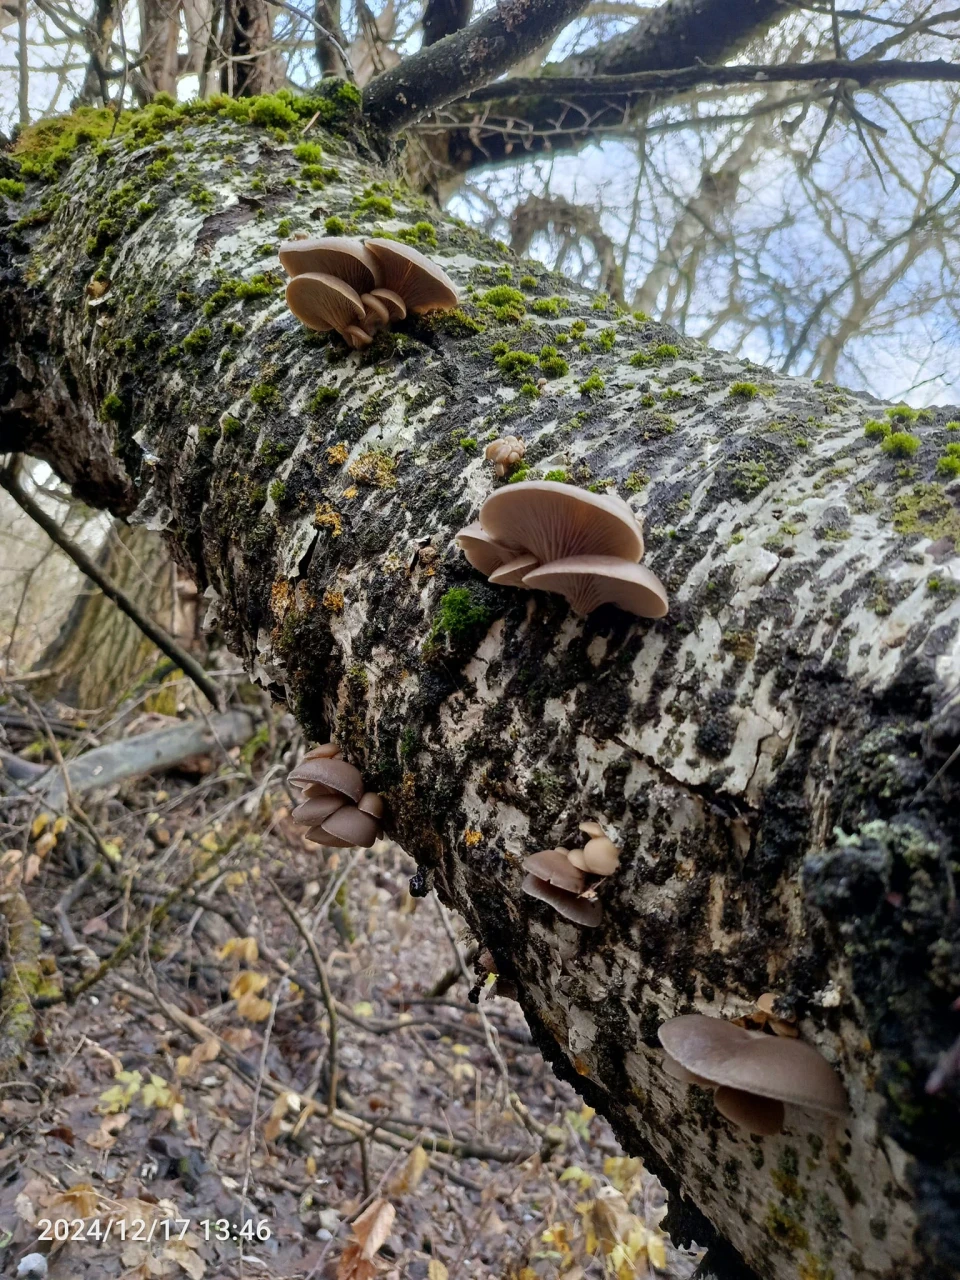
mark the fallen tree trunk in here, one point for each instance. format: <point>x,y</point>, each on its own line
<point>773,755</point>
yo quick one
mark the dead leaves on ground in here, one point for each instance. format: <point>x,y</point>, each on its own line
<point>358,1260</point>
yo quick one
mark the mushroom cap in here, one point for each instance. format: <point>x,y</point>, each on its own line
<point>338,256</point>
<point>356,336</point>
<point>371,803</point>
<point>323,302</point>
<point>353,826</point>
<point>314,810</point>
<point>421,284</point>
<point>511,573</point>
<point>319,836</point>
<point>392,301</point>
<point>482,551</point>
<point>325,751</point>
<point>590,581</point>
<point>555,521</point>
<point>752,1062</point>
<point>554,866</point>
<point>601,856</point>
<point>377,311</point>
<point>674,1070</point>
<point>591,829</point>
<point>749,1111</point>
<point>583,911</point>
<point>336,776</point>
<point>577,859</point>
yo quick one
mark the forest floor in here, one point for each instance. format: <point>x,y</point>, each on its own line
<point>184,1093</point>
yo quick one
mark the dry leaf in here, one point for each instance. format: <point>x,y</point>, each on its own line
<point>105,1137</point>
<point>245,949</point>
<point>370,1232</point>
<point>179,1251</point>
<point>45,844</point>
<point>39,825</point>
<point>253,1008</point>
<point>248,982</point>
<point>408,1179</point>
<point>31,869</point>
<point>436,1270</point>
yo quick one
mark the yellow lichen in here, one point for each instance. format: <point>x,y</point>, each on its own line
<point>337,455</point>
<point>351,492</point>
<point>472,838</point>
<point>280,597</point>
<point>374,467</point>
<point>326,518</point>
<point>333,600</point>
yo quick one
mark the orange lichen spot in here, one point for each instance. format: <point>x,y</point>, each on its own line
<point>333,600</point>
<point>337,455</point>
<point>472,838</point>
<point>326,518</point>
<point>280,597</point>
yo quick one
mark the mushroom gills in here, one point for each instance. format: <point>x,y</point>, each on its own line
<point>749,1111</point>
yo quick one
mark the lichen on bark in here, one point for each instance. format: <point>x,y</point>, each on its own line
<point>766,754</point>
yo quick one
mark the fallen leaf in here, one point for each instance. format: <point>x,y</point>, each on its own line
<point>31,868</point>
<point>414,1168</point>
<point>105,1137</point>
<point>248,982</point>
<point>253,1008</point>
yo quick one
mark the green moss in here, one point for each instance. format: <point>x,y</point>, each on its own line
<point>262,285</point>
<point>423,234</point>
<point>521,473</point>
<point>514,363</point>
<point>902,414</point>
<point>111,408</point>
<point>503,297</point>
<point>198,340</point>
<point>901,444</point>
<point>308,152</point>
<point>12,189</point>
<point>744,390</point>
<point>558,475</point>
<point>381,206</point>
<point>231,426</point>
<point>548,306</point>
<point>875,429</point>
<point>278,491</point>
<point>785,1228</point>
<point>335,226</point>
<point>605,339</point>
<point>592,385</point>
<point>265,393</point>
<point>749,478</point>
<point>949,465</point>
<point>552,363</point>
<point>460,615</point>
<point>952,426</point>
<point>455,322</point>
<point>926,510</point>
<point>635,481</point>
<point>322,396</point>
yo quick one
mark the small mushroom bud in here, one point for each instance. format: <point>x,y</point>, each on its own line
<point>601,856</point>
<point>591,829</point>
<point>325,751</point>
<point>505,454</point>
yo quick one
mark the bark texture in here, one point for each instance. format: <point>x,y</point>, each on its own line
<point>767,755</point>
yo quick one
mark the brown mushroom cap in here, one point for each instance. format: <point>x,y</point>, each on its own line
<point>554,521</point>
<point>590,581</point>
<point>752,1062</point>
<point>577,859</point>
<point>591,829</point>
<point>674,1070</point>
<point>511,573</point>
<point>325,751</point>
<point>371,803</point>
<point>377,312</point>
<point>601,856</point>
<point>338,256</point>
<point>395,305</point>
<point>421,284</point>
<point>554,866</point>
<point>482,551</point>
<point>336,776</point>
<point>356,336</point>
<point>583,911</point>
<point>749,1111</point>
<point>319,836</point>
<point>314,810</point>
<point>323,302</point>
<point>353,827</point>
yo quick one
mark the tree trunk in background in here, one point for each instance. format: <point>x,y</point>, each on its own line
<point>100,653</point>
<point>768,753</point>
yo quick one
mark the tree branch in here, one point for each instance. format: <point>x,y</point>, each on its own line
<point>164,642</point>
<point>439,74</point>
<point>864,73</point>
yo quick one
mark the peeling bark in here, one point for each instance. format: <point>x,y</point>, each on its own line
<point>768,755</point>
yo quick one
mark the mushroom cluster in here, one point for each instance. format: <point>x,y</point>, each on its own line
<point>359,286</point>
<point>567,879</point>
<point>752,1074</point>
<point>555,537</point>
<point>333,802</point>
<point>505,454</point>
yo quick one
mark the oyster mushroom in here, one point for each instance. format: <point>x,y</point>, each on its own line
<point>330,777</point>
<point>421,284</point>
<point>554,866</point>
<point>582,911</point>
<point>590,581</point>
<point>482,551</point>
<point>512,573</point>
<point>505,453</point>
<point>555,521</point>
<point>348,260</point>
<point>754,1074</point>
<point>322,302</point>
